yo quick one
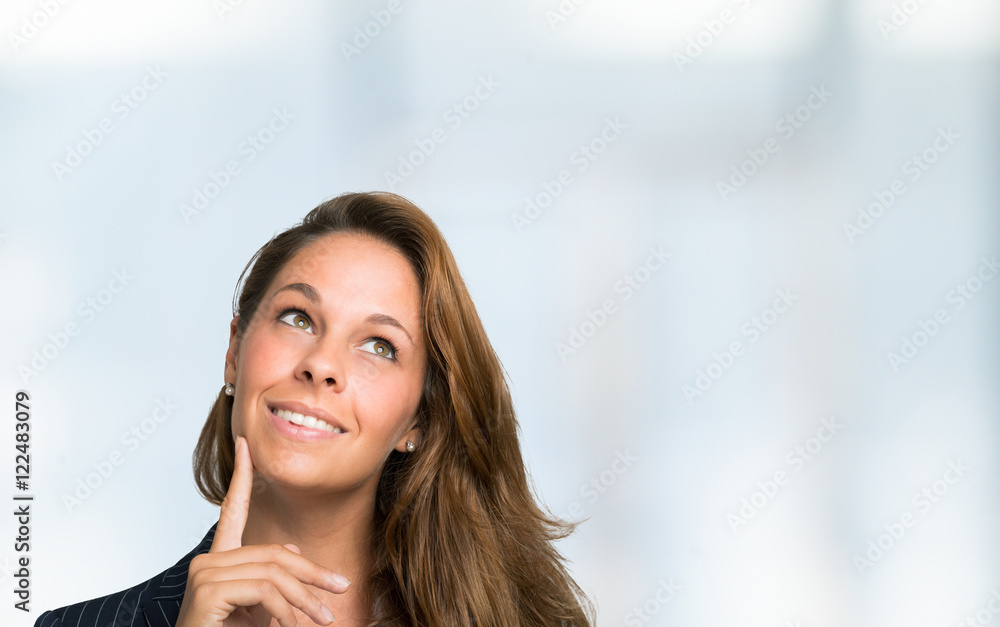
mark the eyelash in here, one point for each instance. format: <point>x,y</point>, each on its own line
<point>385,340</point>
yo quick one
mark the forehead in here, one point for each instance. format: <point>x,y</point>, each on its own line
<point>348,267</point>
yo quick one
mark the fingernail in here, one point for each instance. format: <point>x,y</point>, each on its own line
<point>327,613</point>
<point>340,580</point>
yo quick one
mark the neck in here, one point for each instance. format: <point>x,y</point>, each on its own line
<point>332,530</point>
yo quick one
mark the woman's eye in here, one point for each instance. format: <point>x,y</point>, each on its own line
<point>297,319</point>
<point>381,347</point>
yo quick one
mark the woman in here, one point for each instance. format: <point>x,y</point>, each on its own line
<point>363,450</point>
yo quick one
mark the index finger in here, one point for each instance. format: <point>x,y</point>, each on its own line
<point>233,515</point>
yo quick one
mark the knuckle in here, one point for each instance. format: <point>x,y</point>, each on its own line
<point>200,580</point>
<point>273,570</point>
<point>264,588</point>
<point>196,564</point>
<point>197,579</point>
<point>201,594</point>
<point>320,573</point>
<point>317,605</point>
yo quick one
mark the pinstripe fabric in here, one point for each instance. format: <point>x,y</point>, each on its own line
<point>152,603</point>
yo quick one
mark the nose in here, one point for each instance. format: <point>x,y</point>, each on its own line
<point>322,365</point>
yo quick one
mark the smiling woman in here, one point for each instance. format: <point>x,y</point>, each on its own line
<point>327,376</point>
<point>365,433</point>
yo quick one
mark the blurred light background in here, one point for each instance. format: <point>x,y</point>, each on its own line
<point>837,155</point>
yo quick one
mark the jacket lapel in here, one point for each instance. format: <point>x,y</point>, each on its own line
<point>161,612</point>
<point>160,604</point>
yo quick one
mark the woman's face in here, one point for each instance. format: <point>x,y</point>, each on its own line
<point>338,337</point>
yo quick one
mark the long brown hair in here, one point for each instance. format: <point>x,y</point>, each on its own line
<point>458,537</point>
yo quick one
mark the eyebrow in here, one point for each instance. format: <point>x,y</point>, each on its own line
<point>376,318</point>
<point>303,288</point>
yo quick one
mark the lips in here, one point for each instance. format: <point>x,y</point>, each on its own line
<point>305,416</point>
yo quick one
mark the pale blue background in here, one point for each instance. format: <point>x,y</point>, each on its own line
<point>665,517</point>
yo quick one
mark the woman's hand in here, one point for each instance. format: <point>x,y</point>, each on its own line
<point>244,586</point>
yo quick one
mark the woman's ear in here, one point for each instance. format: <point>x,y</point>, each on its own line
<point>229,374</point>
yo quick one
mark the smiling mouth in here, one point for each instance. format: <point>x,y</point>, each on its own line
<point>306,421</point>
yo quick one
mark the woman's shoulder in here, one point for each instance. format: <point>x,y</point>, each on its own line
<point>156,601</point>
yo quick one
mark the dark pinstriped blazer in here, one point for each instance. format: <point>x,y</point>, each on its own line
<point>152,603</point>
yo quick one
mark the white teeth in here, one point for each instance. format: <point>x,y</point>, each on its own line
<point>306,421</point>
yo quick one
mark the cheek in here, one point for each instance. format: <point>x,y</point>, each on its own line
<point>254,374</point>
<point>386,402</point>
<point>269,356</point>
<point>367,378</point>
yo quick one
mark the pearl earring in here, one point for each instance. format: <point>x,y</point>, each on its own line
<point>410,446</point>
<point>230,389</point>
